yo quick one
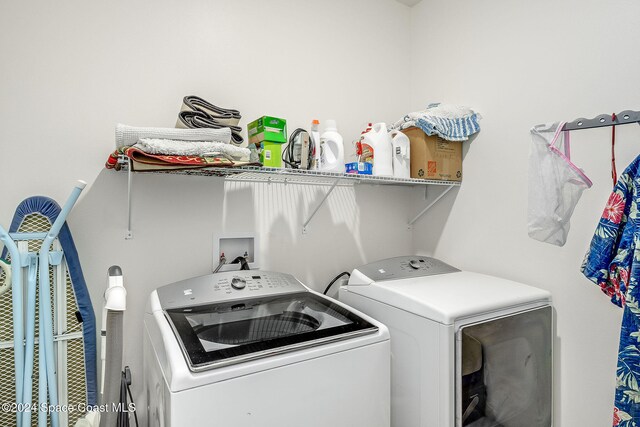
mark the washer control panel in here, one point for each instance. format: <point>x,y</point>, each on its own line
<point>227,286</point>
<point>404,267</point>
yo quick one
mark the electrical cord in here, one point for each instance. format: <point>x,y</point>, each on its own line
<point>135,412</point>
<point>123,414</point>
<point>244,265</point>
<point>288,153</point>
<point>335,279</point>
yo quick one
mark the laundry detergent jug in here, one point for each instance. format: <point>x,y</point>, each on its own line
<point>376,149</point>
<point>332,149</point>
<point>401,149</point>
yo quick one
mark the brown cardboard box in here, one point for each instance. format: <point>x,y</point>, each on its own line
<point>433,157</point>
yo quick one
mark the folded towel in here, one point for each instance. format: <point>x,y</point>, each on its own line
<point>141,161</point>
<point>225,116</point>
<point>450,122</point>
<point>199,119</point>
<point>192,148</point>
<point>128,135</point>
<point>449,111</point>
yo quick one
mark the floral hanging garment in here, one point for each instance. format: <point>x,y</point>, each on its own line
<point>613,263</point>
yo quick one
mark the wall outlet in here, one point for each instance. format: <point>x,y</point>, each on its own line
<point>233,246</point>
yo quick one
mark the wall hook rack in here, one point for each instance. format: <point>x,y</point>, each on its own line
<point>603,120</point>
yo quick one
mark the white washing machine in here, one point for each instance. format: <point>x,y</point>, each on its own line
<point>466,349</point>
<point>257,348</point>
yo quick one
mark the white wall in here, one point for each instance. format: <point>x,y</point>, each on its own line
<point>72,70</point>
<point>520,64</point>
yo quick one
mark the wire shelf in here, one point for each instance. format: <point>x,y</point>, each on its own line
<point>268,175</point>
<point>297,176</point>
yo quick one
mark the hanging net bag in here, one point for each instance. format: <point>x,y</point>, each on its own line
<point>555,184</point>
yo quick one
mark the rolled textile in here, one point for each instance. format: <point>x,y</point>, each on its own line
<point>112,161</point>
<point>128,135</point>
<point>199,119</point>
<point>192,148</point>
<point>225,116</point>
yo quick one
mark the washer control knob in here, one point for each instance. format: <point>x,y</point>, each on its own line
<point>238,283</point>
<point>414,263</point>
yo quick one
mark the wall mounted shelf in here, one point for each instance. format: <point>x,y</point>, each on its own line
<point>256,174</point>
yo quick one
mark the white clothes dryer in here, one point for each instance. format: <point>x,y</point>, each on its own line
<point>466,349</point>
<point>257,348</point>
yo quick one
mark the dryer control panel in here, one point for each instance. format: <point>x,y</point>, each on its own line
<point>227,286</point>
<point>399,268</point>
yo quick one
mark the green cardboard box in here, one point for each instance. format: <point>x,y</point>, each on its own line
<point>271,154</point>
<point>267,128</point>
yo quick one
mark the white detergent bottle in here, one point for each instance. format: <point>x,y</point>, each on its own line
<point>376,144</point>
<point>401,150</point>
<point>332,148</point>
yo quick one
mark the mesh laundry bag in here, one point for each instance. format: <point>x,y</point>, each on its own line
<point>555,184</point>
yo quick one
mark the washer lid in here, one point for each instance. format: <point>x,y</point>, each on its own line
<point>229,332</point>
<point>448,297</point>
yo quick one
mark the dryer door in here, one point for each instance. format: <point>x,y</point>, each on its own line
<point>504,371</point>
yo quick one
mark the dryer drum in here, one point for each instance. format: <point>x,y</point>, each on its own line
<point>258,329</point>
<point>474,390</point>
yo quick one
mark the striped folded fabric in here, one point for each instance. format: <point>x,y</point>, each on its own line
<point>221,115</point>
<point>450,122</point>
<point>198,113</point>
<point>200,120</point>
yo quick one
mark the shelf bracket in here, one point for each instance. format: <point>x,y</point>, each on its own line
<point>304,226</point>
<point>423,211</point>
<point>129,234</point>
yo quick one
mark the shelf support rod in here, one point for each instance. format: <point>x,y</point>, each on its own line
<point>417,217</point>
<point>129,234</point>
<point>304,226</point>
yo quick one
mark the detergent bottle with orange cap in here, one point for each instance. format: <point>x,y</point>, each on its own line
<point>315,139</point>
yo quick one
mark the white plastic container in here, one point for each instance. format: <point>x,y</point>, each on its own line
<point>376,149</point>
<point>401,149</point>
<point>332,149</point>
<point>316,162</point>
